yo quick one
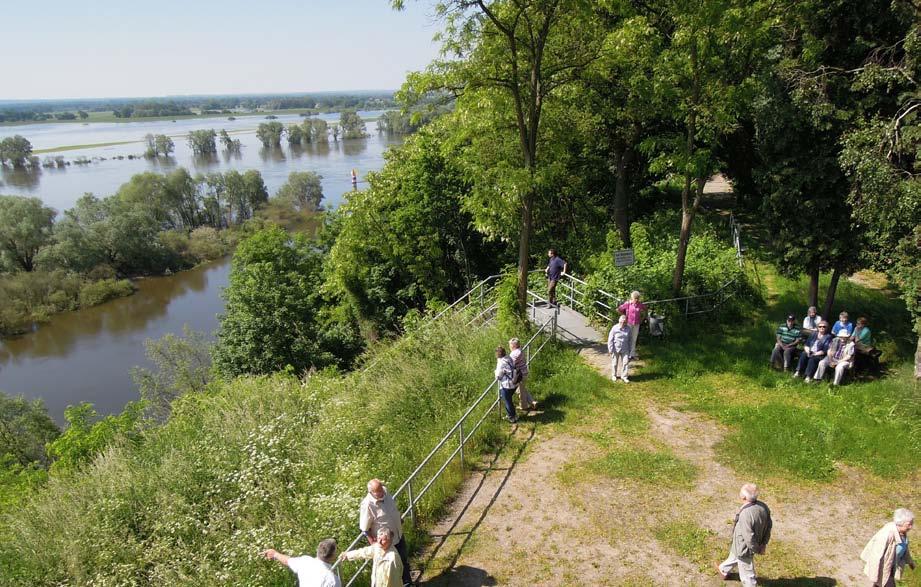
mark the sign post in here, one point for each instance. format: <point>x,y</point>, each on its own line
<point>623,258</point>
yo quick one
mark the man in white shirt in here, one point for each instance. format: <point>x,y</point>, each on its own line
<point>812,319</point>
<point>379,510</point>
<point>619,349</point>
<point>311,572</point>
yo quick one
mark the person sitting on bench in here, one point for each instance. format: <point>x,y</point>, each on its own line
<point>840,358</point>
<point>816,349</point>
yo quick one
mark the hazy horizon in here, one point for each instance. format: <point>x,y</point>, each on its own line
<point>356,92</point>
<point>174,48</point>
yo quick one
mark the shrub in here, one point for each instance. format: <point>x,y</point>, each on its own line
<point>711,266</point>
<point>97,292</point>
<point>206,244</point>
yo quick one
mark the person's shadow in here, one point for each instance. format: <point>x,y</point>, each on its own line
<point>799,582</point>
<point>464,576</point>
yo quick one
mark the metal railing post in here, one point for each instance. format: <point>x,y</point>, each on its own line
<point>412,504</point>
<point>460,432</point>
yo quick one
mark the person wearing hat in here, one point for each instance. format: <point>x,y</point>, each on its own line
<point>840,357</point>
<point>815,349</point>
<point>788,336</point>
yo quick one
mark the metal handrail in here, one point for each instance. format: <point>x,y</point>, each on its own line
<point>468,295</point>
<point>458,429</point>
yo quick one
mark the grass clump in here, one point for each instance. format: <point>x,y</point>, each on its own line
<point>690,541</point>
<point>655,467</point>
<point>256,462</point>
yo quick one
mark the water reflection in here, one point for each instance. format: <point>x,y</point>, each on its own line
<point>87,355</point>
<point>26,178</point>
<point>354,147</point>
<point>321,149</point>
<point>205,160</point>
<point>272,154</point>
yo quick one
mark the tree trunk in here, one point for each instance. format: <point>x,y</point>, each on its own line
<point>684,240</point>
<point>918,360</point>
<point>524,249</point>
<point>830,294</point>
<point>621,161</point>
<point>814,286</point>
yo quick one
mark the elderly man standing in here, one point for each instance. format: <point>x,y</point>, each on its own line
<point>379,510</point>
<point>386,567</point>
<point>311,572</point>
<point>525,400</point>
<point>750,535</point>
<point>619,348</point>
<point>887,552</point>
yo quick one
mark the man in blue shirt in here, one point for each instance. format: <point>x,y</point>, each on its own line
<point>556,267</point>
<point>842,323</point>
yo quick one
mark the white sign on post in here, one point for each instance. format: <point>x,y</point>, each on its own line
<point>623,258</point>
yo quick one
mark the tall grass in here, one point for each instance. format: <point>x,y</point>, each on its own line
<point>253,463</point>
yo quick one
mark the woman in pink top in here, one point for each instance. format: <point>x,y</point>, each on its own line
<point>635,312</point>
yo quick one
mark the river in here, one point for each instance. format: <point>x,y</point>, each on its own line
<point>60,187</point>
<point>87,355</point>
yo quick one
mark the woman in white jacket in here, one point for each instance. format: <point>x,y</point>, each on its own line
<point>887,552</point>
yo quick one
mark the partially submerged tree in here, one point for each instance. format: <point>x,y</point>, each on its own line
<point>25,227</point>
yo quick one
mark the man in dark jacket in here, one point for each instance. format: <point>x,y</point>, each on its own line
<point>750,535</point>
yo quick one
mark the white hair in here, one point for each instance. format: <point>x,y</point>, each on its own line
<point>635,295</point>
<point>903,516</point>
<point>385,532</point>
<point>749,492</point>
<point>514,342</point>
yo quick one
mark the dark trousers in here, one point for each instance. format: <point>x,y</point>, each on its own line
<point>506,395</point>
<point>807,365</point>
<point>551,291</point>
<point>404,556</point>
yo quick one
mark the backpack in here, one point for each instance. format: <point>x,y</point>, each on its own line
<point>516,376</point>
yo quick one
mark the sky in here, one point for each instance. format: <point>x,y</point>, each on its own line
<point>119,48</point>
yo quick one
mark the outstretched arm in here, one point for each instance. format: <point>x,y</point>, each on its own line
<point>273,555</point>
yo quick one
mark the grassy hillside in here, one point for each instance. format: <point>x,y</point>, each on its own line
<point>252,463</point>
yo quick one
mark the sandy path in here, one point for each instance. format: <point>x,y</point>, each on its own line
<point>525,519</point>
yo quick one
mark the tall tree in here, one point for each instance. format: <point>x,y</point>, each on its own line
<point>25,227</point>
<point>303,189</point>
<point>202,142</point>
<point>353,127</point>
<point>16,150</point>
<point>269,133</point>
<point>515,54</point>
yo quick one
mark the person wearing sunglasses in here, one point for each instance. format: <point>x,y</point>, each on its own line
<point>816,350</point>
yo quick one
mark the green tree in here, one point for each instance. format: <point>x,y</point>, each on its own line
<point>202,142</point>
<point>295,134</point>
<point>182,364</point>
<point>158,145</point>
<point>273,309</point>
<point>316,130</point>
<point>269,133</point>
<point>25,429</point>
<point>25,227</point>
<point>514,57</point>
<point>84,439</point>
<point>83,115</point>
<point>407,240</point>
<point>351,125</point>
<point>303,190</point>
<point>230,145</point>
<point>15,150</point>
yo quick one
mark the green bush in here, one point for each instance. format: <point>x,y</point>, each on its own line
<point>95,293</point>
<point>711,266</point>
<point>206,244</point>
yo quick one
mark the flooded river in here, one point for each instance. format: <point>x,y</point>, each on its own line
<point>87,355</point>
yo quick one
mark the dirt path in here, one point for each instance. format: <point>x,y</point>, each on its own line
<point>539,514</point>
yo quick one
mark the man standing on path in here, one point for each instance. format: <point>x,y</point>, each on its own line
<point>619,348</point>
<point>378,510</point>
<point>750,535</point>
<point>311,572</point>
<point>556,267</point>
<point>635,312</point>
